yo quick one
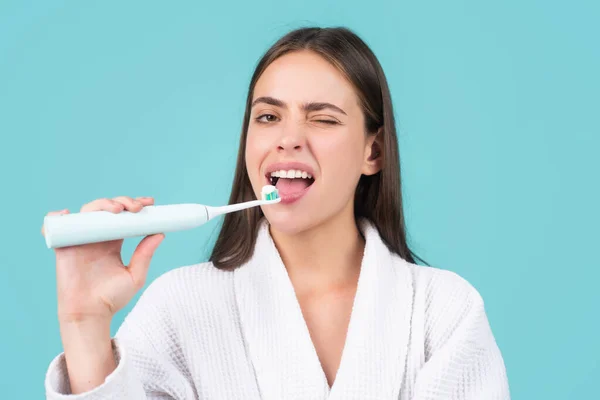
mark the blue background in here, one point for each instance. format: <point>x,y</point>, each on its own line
<point>497,106</point>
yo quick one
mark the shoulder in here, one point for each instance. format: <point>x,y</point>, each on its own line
<point>443,286</point>
<point>174,304</point>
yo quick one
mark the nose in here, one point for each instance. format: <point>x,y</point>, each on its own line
<point>292,138</point>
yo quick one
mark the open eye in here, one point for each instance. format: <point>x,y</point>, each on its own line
<point>266,118</point>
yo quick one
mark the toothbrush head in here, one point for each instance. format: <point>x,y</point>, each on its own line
<point>270,194</point>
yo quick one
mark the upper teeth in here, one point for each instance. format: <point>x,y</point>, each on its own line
<point>292,173</point>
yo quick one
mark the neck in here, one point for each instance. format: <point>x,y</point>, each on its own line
<point>327,256</point>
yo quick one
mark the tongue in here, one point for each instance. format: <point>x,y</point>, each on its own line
<point>287,186</point>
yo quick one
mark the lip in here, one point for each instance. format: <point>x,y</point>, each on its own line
<point>290,198</point>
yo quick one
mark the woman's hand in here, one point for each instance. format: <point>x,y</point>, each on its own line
<point>92,285</point>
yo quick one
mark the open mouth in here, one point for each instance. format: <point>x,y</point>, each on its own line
<point>290,183</point>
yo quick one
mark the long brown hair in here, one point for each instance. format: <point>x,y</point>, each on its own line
<point>378,197</point>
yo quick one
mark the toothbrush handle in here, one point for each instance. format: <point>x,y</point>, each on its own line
<point>100,226</point>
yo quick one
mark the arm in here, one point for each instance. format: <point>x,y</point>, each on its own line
<point>139,364</point>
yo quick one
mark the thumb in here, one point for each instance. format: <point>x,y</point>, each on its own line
<point>140,260</point>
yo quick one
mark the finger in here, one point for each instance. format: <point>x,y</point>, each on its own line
<point>129,203</point>
<point>140,260</point>
<point>146,201</point>
<point>103,204</point>
<point>61,212</point>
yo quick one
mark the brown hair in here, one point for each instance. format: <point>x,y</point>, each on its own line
<point>378,197</point>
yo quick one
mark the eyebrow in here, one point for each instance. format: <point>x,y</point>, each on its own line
<point>311,106</point>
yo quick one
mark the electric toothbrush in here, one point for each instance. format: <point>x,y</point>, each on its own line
<point>100,226</point>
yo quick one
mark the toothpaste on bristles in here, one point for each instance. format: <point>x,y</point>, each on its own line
<point>270,192</point>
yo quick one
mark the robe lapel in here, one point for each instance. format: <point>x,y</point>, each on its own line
<point>279,344</point>
<point>374,356</point>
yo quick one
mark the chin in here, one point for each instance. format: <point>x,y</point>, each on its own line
<point>289,222</point>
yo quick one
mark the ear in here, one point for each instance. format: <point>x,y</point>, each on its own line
<point>373,154</point>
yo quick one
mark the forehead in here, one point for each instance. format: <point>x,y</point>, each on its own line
<point>304,76</point>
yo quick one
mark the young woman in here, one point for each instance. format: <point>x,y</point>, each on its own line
<point>316,297</point>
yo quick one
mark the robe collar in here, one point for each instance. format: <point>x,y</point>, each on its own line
<point>278,340</point>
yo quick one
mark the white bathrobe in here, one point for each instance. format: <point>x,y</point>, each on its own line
<point>415,333</point>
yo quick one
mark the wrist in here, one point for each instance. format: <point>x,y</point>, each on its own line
<point>82,321</point>
<point>85,333</point>
<point>88,352</point>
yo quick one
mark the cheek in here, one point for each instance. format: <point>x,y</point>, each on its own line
<point>257,148</point>
<point>340,158</point>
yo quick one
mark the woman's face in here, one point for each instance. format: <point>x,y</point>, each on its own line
<point>306,133</point>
